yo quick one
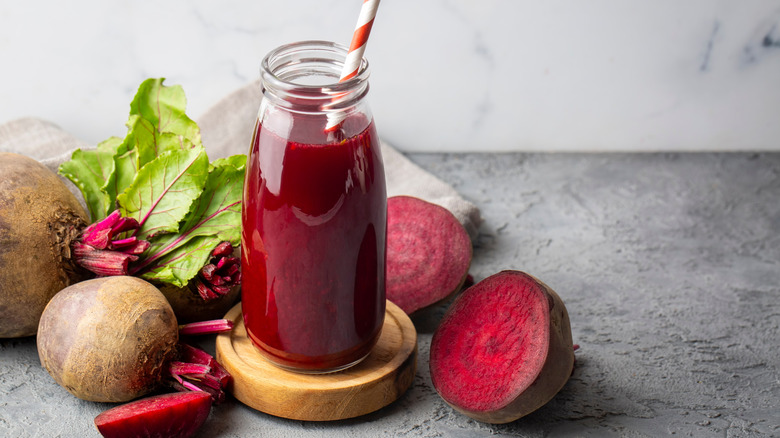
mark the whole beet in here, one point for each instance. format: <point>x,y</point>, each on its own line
<point>108,339</point>
<point>39,218</point>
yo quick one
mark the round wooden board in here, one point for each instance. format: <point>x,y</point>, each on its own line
<point>378,380</point>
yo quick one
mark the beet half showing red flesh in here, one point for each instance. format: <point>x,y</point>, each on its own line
<point>428,253</point>
<point>176,415</point>
<point>503,349</point>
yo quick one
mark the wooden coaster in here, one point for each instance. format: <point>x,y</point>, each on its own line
<point>378,380</point>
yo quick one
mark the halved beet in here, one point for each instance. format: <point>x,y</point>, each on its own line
<point>176,415</point>
<point>503,349</point>
<point>428,253</point>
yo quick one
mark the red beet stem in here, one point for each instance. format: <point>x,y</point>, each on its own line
<point>98,251</point>
<point>100,261</point>
<point>208,380</point>
<point>197,370</point>
<point>182,368</point>
<point>221,274</point>
<point>99,233</point>
<point>206,327</point>
<point>223,249</point>
<point>184,385</point>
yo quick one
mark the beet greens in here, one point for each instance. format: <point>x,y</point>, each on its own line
<point>160,210</point>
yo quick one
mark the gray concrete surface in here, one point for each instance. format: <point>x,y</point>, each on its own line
<point>669,265</point>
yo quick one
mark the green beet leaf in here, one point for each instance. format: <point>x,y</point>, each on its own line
<point>213,218</point>
<point>180,266</point>
<point>162,110</point>
<point>164,189</point>
<point>141,145</point>
<point>128,160</point>
<point>157,124</point>
<point>89,170</point>
<point>217,211</point>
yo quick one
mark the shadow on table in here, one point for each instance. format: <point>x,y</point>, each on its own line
<point>588,405</point>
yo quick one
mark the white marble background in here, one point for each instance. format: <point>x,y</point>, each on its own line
<point>448,75</point>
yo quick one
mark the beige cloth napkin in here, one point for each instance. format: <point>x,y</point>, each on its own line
<point>226,129</point>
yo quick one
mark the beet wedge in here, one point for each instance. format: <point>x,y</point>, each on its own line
<point>176,415</point>
<point>503,349</point>
<point>428,253</point>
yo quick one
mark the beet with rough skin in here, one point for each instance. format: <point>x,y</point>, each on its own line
<point>39,218</point>
<point>108,339</point>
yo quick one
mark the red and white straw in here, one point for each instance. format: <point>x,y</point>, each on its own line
<point>356,49</point>
<point>359,39</point>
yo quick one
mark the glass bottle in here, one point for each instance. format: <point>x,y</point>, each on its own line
<point>314,214</point>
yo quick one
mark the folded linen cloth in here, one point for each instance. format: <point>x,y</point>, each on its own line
<point>226,129</point>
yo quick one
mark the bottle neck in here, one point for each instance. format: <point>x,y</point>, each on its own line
<point>303,77</point>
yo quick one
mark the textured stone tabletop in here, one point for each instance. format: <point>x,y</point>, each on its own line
<point>669,265</point>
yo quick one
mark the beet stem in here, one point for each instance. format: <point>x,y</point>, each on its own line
<point>197,370</point>
<point>206,327</point>
<point>98,251</point>
<point>182,368</point>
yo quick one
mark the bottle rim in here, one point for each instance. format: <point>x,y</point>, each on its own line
<point>282,68</point>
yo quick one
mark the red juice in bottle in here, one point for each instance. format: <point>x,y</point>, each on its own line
<point>313,239</point>
<point>313,249</point>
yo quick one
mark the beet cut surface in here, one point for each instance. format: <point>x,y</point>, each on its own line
<point>176,415</point>
<point>503,349</point>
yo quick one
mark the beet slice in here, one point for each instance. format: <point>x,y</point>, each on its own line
<point>503,349</point>
<point>428,253</point>
<point>177,415</point>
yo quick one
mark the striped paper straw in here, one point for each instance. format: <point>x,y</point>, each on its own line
<point>356,49</point>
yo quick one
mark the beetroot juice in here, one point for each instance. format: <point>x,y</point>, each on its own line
<point>313,242</point>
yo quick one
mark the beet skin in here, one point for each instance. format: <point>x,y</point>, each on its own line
<point>39,217</point>
<point>108,339</point>
<point>428,253</point>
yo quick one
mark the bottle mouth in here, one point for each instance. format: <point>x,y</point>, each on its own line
<point>306,74</point>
